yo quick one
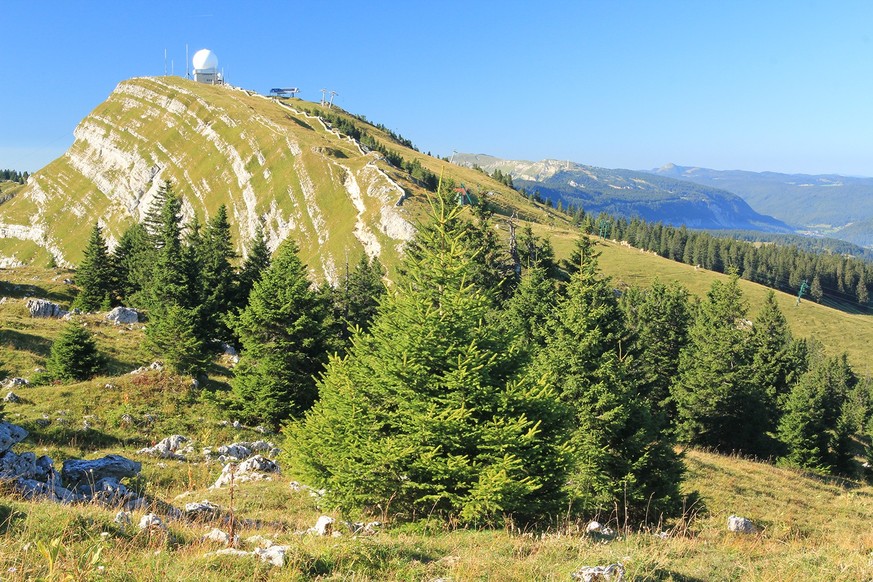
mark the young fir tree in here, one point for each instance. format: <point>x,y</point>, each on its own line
<point>283,342</point>
<point>659,317</point>
<point>814,427</point>
<point>623,457</point>
<point>94,275</point>
<point>774,358</point>
<point>428,415</point>
<point>525,314</point>
<point>256,263</point>
<point>131,263</point>
<point>718,405</point>
<point>74,355</point>
<point>173,312</point>
<point>353,302</point>
<point>216,278</point>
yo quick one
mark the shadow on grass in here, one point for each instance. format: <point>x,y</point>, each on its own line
<point>26,342</point>
<point>22,290</point>
<point>662,574</point>
<point>84,439</point>
<point>8,517</point>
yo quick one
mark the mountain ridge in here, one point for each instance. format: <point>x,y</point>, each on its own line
<point>629,193</point>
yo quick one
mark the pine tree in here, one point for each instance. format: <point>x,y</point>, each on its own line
<point>717,403</point>
<point>74,355</point>
<point>93,275</point>
<point>284,342</point>
<point>623,458</point>
<point>815,290</point>
<point>427,415</point>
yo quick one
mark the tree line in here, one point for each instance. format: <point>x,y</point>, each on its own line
<point>14,176</point>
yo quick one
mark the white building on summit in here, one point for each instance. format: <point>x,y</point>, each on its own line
<point>206,67</point>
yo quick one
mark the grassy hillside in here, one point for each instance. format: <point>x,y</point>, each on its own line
<point>270,161</point>
<point>810,528</point>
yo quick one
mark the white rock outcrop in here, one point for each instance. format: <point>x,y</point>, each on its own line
<point>121,315</point>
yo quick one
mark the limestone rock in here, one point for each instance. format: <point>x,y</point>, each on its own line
<point>121,315</point>
<point>324,526</point>
<point>12,398</point>
<point>12,382</point>
<point>252,469</point>
<point>151,521</point>
<point>168,448</point>
<point>116,466</point>
<point>122,518</point>
<point>202,510</point>
<point>741,525</point>
<point>44,308</point>
<point>10,434</point>
<point>274,555</point>
<point>216,535</point>
<point>610,573</point>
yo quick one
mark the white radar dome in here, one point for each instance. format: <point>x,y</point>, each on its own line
<point>204,59</point>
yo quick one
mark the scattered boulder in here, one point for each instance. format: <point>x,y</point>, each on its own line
<point>44,308</point>
<point>154,366</point>
<point>611,573</point>
<point>741,525</point>
<point>116,466</point>
<point>252,469</point>
<point>323,527</point>
<point>121,315</point>
<point>274,555</point>
<point>13,382</point>
<point>216,535</point>
<point>122,518</point>
<point>168,448</point>
<point>363,529</point>
<point>10,434</point>
<point>25,465</point>
<point>596,528</point>
<point>242,450</point>
<point>151,521</point>
<point>12,398</point>
<point>203,510</point>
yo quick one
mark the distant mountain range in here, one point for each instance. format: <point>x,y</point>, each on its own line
<point>833,205</point>
<point>630,193</point>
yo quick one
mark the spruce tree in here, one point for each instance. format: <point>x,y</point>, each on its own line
<point>216,276</point>
<point>74,355</point>
<point>623,457</point>
<point>774,360</point>
<point>256,263</point>
<point>353,302</point>
<point>131,262</point>
<point>428,415</point>
<point>526,313</point>
<point>93,275</point>
<point>173,310</point>
<point>718,405</point>
<point>283,342</point>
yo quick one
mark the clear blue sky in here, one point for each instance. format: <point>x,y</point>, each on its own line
<point>782,86</point>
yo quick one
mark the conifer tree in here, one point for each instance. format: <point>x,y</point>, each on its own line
<point>173,310</point>
<point>216,276</point>
<point>526,313</point>
<point>353,302</point>
<point>283,339</point>
<point>256,263</point>
<point>774,360</point>
<point>659,317</point>
<point>130,263</point>
<point>427,415</point>
<point>74,355</point>
<point>623,457</point>
<point>814,428</point>
<point>717,403</point>
<point>93,275</point>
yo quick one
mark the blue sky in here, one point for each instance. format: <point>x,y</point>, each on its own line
<point>781,86</point>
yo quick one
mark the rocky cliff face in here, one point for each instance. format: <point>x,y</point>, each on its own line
<point>266,161</point>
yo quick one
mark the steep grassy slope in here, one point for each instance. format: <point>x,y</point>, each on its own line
<point>266,160</point>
